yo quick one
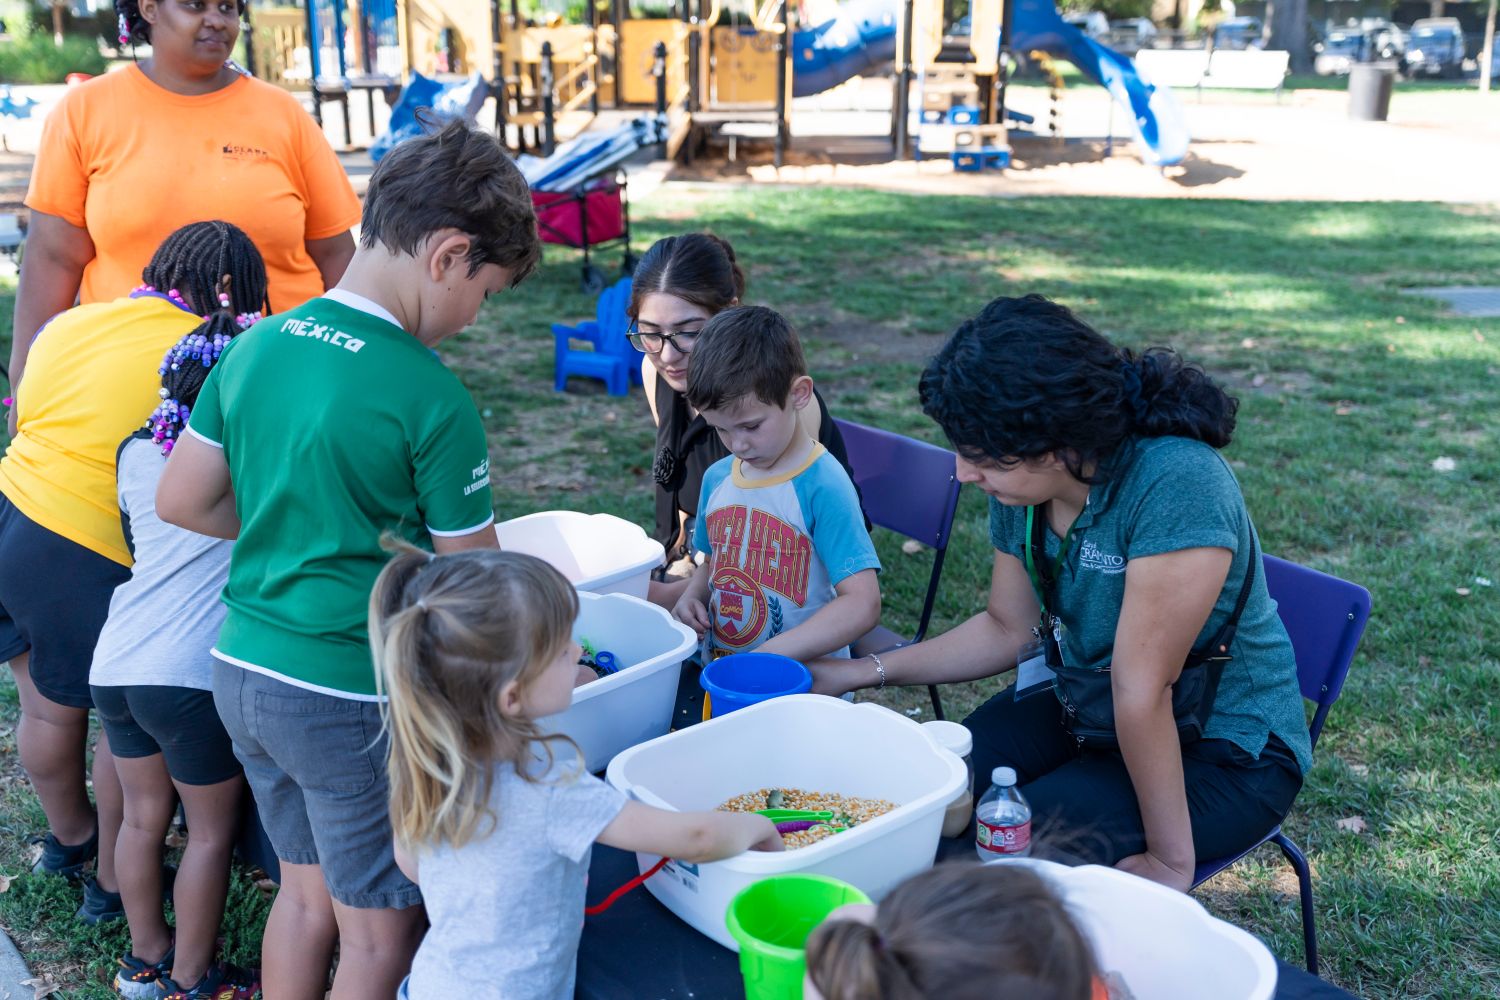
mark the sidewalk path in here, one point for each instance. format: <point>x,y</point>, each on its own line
<point>13,972</point>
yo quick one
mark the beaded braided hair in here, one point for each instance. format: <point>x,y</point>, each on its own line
<point>212,267</point>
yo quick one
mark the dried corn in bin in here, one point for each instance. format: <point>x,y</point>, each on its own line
<point>845,811</point>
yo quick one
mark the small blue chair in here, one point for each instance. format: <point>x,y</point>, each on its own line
<point>612,359</point>
<point>1325,617</point>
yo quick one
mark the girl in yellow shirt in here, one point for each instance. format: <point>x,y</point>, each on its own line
<point>92,379</point>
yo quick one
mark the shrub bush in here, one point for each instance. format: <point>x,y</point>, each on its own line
<point>36,59</point>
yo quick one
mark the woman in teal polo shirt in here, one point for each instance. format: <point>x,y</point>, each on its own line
<point>1111,508</point>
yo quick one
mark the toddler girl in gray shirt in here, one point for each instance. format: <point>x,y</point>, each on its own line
<point>494,820</point>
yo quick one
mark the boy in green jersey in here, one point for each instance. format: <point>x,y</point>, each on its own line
<point>320,429</point>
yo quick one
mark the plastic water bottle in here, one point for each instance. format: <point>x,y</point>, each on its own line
<point>1003,820</point>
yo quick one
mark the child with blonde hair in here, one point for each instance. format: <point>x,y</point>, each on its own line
<point>494,819</point>
<point>959,931</point>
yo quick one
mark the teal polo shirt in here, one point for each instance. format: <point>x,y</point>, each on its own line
<point>1167,494</point>
<point>337,426</point>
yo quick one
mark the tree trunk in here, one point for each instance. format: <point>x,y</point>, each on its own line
<point>1487,54</point>
<point>57,23</point>
<point>1286,27</point>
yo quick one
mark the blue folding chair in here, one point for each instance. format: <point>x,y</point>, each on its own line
<point>1325,617</point>
<point>612,359</point>
<point>910,487</point>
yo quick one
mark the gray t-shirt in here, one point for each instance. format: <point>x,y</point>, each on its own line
<point>163,620</point>
<point>1170,494</point>
<point>507,907</point>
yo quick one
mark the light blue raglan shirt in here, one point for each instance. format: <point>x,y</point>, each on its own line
<point>777,547</point>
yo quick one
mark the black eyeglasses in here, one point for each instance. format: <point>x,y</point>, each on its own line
<point>682,341</point>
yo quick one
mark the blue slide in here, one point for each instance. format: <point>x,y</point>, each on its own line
<point>863,37</point>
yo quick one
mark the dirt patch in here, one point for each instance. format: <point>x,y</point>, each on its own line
<point>866,340</point>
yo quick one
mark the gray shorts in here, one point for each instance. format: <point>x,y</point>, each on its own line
<point>317,766</point>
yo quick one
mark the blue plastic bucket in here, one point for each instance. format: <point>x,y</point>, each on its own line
<point>742,679</point>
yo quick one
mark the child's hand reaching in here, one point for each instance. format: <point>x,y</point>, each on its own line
<point>770,841</point>
<point>691,836</point>
<point>693,613</point>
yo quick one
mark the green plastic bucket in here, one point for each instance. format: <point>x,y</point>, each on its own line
<point>772,919</point>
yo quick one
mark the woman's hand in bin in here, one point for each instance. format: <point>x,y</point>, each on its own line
<point>838,675</point>
<point>693,613</point>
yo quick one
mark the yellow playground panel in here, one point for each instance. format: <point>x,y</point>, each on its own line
<point>744,67</point>
<point>636,57</point>
<point>573,59</point>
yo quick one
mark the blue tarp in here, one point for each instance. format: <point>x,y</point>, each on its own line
<point>458,99</point>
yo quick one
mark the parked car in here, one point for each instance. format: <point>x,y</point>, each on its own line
<point>1338,51</point>
<point>1091,22</point>
<point>1240,33</point>
<point>1435,48</point>
<point>1373,40</point>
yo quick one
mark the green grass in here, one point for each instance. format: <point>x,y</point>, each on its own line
<point>1349,391</point>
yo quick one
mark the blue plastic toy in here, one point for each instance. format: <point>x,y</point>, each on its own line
<point>612,360</point>
<point>981,158</point>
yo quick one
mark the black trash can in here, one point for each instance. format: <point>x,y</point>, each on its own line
<point>1370,91</point>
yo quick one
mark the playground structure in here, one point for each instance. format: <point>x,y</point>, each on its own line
<point>705,70</point>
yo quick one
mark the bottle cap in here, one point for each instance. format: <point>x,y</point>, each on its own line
<point>951,736</point>
<point>1003,776</point>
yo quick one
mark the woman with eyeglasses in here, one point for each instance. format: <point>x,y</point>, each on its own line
<point>680,284</point>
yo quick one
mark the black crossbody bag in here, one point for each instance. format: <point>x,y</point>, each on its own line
<point>1087,696</point>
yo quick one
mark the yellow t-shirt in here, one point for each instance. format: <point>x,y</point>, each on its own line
<point>132,162</point>
<point>91,378</point>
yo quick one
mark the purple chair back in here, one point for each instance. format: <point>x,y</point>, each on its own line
<point>908,486</point>
<point>1325,617</point>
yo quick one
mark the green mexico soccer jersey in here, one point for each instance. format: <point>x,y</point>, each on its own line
<point>337,426</point>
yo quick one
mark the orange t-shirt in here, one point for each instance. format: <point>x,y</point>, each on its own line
<point>131,162</point>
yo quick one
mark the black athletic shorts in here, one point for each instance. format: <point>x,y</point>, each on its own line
<point>54,599</point>
<point>179,723</point>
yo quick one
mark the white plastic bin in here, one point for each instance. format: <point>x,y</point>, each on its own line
<point>599,553</point>
<point>803,741</point>
<point>634,705</point>
<point>1163,943</point>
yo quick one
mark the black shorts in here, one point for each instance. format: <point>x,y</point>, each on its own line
<point>1083,801</point>
<point>54,599</point>
<point>179,723</point>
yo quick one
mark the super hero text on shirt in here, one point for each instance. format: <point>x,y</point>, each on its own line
<point>778,557</point>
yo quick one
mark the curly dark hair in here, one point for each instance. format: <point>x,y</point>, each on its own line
<point>135,28</point>
<point>1027,378</point>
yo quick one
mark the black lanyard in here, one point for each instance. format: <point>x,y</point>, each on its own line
<point>1044,577</point>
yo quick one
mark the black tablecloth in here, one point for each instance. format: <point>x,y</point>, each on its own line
<point>640,950</point>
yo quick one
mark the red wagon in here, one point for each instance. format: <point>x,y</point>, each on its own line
<point>592,215</point>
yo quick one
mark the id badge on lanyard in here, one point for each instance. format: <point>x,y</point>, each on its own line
<point>1037,660</point>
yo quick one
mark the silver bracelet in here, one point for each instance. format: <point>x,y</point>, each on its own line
<point>879,669</point>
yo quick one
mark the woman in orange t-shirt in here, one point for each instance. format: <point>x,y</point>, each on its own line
<point>181,137</point>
